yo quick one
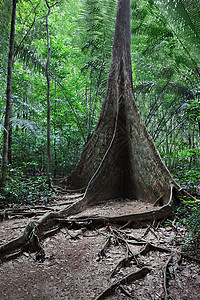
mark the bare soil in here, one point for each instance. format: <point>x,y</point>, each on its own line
<point>79,263</point>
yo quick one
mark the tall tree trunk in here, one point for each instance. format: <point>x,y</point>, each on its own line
<point>8,99</point>
<point>48,95</point>
<point>55,149</point>
<point>48,104</point>
<point>10,136</point>
<point>199,126</point>
<point>120,160</point>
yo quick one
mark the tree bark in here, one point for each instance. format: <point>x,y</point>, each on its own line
<point>48,96</point>
<point>48,102</point>
<point>120,159</point>
<point>10,136</point>
<point>7,123</point>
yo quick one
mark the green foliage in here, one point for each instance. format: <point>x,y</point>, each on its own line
<point>97,26</point>
<point>5,15</point>
<point>183,17</point>
<point>21,189</point>
<point>188,215</point>
<point>188,177</point>
<point>166,86</point>
<point>165,39</point>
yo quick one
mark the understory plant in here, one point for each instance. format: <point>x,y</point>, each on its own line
<point>22,189</point>
<point>188,215</point>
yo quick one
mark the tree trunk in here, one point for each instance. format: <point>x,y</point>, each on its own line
<point>10,136</point>
<point>48,104</point>
<point>55,149</point>
<point>120,159</point>
<point>8,99</point>
<point>48,95</point>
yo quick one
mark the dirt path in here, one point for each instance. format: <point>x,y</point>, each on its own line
<point>76,267</point>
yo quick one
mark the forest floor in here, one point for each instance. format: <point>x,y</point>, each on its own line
<point>104,262</point>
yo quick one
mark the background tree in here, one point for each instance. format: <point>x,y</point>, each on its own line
<point>48,95</point>
<point>8,98</point>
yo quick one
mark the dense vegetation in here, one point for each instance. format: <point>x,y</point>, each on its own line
<point>165,58</point>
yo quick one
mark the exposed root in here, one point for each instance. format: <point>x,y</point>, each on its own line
<point>105,247</point>
<point>150,229</point>
<point>11,213</point>
<point>50,233</point>
<point>53,222</point>
<point>125,262</point>
<point>46,224</point>
<point>165,269</point>
<point>125,280</point>
<point>12,256</point>
<point>125,292</point>
<point>159,201</point>
<point>134,218</point>
<point>190,258</point>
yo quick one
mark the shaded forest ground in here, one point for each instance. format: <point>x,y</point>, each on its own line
<point>87,261</point>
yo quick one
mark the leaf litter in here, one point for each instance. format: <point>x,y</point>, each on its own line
<point>106,262</point>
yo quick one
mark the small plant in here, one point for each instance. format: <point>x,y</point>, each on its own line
<point>21,189</point>
<point>189,216</point>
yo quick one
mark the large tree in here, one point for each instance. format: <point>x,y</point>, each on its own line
<point>8,113</point>
<point>120,159</point>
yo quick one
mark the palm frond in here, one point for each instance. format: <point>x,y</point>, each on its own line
<point>27,124</point>
<point>30,58</point>
<point>98,23</point>
<point>183,18</point>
